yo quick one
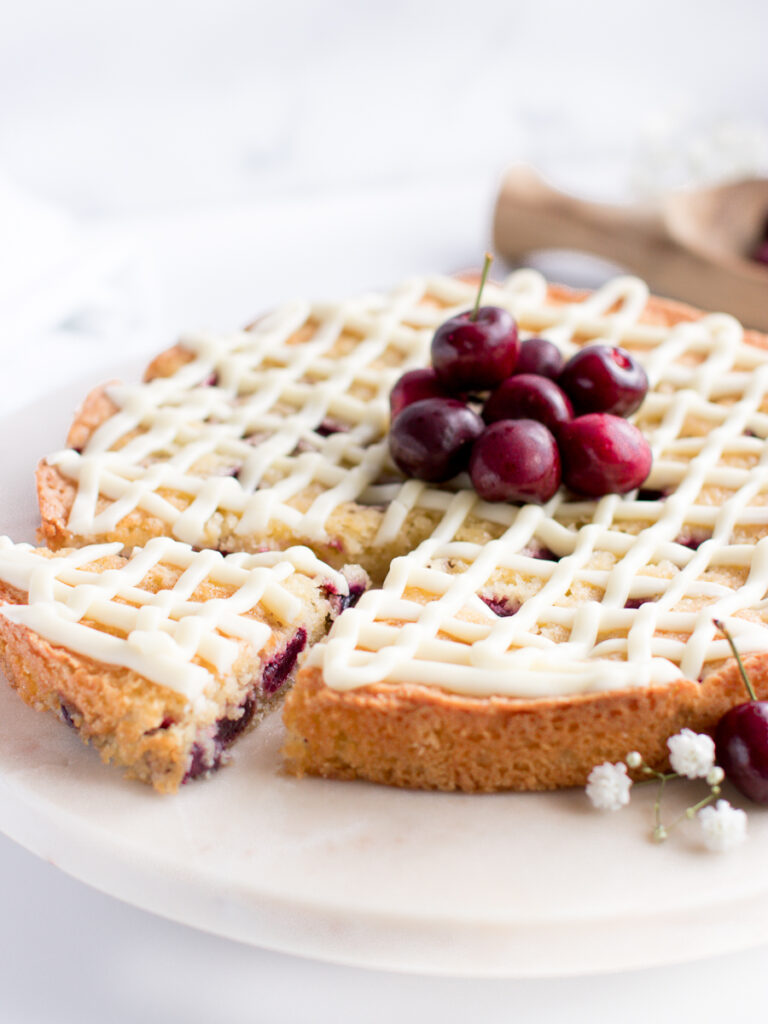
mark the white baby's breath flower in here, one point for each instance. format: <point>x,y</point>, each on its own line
<point>691,754</point>
<point>608,786</point>
<point>723,826</point>
<point>634,759</point>
<point>715,776</point>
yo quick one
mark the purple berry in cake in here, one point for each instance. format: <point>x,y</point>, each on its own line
<point>603,454</point>
<point>692,541</point>
<point>413,387</point>
<point>432,439</point>
<point>540,552</point>
<point>539,356</point>
<point>515,460</point>
<point>280,667</point>
<point>529,397</point>
<point>475,350</point>
<point>502,606</point>
<point>604,378</point>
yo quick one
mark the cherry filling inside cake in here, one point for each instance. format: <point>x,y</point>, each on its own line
<point>209,751</point>
<point>162,659</point>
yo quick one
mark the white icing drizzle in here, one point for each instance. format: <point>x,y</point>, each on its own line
<point>271,395</point>
<point>165,636</point>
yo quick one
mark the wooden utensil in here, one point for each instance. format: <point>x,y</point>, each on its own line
<point>692,245</point>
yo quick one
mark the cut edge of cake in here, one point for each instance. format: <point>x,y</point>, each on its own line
<point>157,733</point>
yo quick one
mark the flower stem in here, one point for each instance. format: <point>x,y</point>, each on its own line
<point>726,633</point>
<point>689,812</point>
<point>486,268</point>
<point>659,830</point>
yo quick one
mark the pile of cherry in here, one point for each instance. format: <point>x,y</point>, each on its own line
<point>518,418</point>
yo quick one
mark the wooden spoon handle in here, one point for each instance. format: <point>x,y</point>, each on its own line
<point>532,215</point>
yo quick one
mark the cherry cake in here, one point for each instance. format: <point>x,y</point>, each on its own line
<point>553,495</point>
<point>160,660</point>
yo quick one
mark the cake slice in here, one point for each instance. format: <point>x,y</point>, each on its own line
<point>160,660</point>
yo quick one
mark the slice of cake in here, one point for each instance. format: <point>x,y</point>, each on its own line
<point>163,659</point>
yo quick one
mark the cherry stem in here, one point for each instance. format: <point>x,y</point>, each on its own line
<point>724,630</point>
<point>483,276</point>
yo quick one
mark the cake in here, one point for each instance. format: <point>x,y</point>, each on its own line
<point>500,646</point>
<point>160,660</point>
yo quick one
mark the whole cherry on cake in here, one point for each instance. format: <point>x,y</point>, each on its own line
<point>741,738</point>
<point>544,420</point>
<point>413,387</point>
<point>603,454</point>
<point>540,356</point>
<point>478,349</point>
<point>529,396</point>
<point>604,378</point>
<point>515,460</point>
<point>432,439</point>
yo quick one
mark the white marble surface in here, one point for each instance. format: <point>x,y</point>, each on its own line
<point>178,142</point>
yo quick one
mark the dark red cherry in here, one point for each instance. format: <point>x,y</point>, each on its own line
<point>603,454</point>
<point>413,387</point>
<point>475,351</point>
<point>603,378</point>
<point>515,460</point>
<point>432,439</point>
<point>741,744</point>
<point>537,355</point>
<point>529,397</point>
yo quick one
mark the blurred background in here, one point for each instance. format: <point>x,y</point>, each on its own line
<point>166,165</point>
<point>123,108</point>
<point>169,164</point>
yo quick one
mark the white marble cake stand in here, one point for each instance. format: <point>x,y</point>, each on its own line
<point>505,885</point>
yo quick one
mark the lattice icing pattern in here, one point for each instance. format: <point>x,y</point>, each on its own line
<point>114,613</point>
<point>249,427</point>
<point>628,586</point>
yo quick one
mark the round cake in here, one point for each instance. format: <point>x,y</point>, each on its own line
<point>499,645</point>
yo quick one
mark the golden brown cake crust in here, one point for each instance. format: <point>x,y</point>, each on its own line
<point>423,738</point>
<point>111,707</point>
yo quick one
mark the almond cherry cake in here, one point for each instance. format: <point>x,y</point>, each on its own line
<point>162,659</point>
<point>545,568</point>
